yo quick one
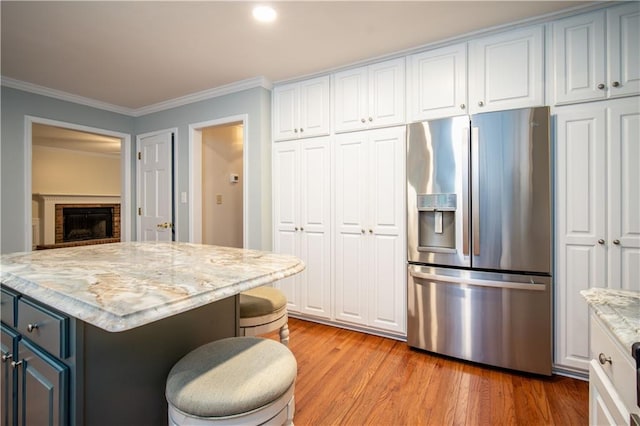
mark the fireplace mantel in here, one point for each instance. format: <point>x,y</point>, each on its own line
<point>47,209</point>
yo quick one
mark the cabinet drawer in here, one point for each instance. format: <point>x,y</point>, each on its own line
<point>8,302</point>
<point>620,370</point>
<point>42,326</point>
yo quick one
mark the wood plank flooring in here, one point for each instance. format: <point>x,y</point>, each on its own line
<point>351,378</point>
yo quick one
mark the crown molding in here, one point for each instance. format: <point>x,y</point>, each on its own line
<point>64,96</point>
<point>161,106</point>
<point>227,89</point>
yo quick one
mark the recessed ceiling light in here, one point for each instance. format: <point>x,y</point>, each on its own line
<point>264,13</point>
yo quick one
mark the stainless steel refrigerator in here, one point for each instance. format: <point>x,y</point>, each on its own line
<point>479,243</point>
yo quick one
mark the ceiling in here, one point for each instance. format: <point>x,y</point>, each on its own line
<point>136,54</point>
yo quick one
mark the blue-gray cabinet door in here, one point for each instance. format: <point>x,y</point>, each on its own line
<point>8,345</point>
<point>42,387</point>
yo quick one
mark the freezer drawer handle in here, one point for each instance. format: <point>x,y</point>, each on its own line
<point>481,283</point>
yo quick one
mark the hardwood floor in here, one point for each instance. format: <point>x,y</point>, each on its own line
<point>351,378</point>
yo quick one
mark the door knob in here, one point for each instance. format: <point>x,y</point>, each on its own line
<point>371,231</point>
<point>480,103</point>
<point>600,86</point>
<point>363,120</point>
<point>616,242</point>
<point>616,84</point>
<point>462,106</point>
<point>600,241</point>
<point>370,119</point>
<point>301,228</point>
<point>301,130</point>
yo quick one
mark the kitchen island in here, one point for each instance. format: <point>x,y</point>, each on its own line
<point>614,370</point>
<point>94,330</point>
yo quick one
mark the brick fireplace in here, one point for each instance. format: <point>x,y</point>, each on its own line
<point>87,222</point>
<point>73,220</point>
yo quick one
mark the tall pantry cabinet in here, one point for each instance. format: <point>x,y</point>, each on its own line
<point>597,214</point>
<point>302,221</point>
<point>370,261</point>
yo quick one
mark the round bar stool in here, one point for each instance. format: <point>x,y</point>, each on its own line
<point>233,381</point>
<point>262,310</point>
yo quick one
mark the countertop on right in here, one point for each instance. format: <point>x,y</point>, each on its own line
<point>619,310</point>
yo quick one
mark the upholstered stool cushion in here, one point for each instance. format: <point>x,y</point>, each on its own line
<point>231,376</point>
<point>261,301</point>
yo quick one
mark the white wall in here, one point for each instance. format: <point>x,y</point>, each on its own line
<point>221,156</point>
<point>62,171</point>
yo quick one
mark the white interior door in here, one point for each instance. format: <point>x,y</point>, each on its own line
<point>155,194</point>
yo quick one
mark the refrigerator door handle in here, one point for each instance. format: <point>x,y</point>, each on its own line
<point>465,192</point>
<point>475,282</point>
<point>475,190</point>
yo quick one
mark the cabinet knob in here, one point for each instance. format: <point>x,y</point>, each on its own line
<point>295,229</point>
<point>616,84</point>
<point>371,231</point>
<point>301,228</point>
<point>616,242</point>
<point>370,119</point>
<point>604,359</point>
<point>31,327</point>
<point>6,357</point>
<point>480,103</point>
<point>363,120</point>
<point>362,231</point>
<point>301,130</point>
<point>600,241</point>
<point>15,364</point>
<point>462,106</point>
<point>295,130</point>
<point>600,86</point>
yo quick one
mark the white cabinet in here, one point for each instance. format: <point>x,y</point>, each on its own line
<point>597,55</point>
<point>506,70</point>
<point>370,260</point>
<point>597,214</point>
<point>302,211</point>
<point>301,109</point>
<point>437,83</point>
<point>611,379</point>
<point>368,97</point>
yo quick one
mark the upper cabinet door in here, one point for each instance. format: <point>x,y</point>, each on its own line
<point>579,58</point>
<point>507,71</point>
<point>351,103</point>
<point>301,109</point>
<point>314,107</point>
<point>437,83</point>
<point>368,97</point>
<point>623,48</point>
<point>386,93</point>
<point>285,112</point>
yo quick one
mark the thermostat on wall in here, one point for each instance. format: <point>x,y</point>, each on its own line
<point>233,178</point>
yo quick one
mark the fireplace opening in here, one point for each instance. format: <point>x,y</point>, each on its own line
<point>86,223</point>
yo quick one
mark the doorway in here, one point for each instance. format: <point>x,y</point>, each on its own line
<point>72,164</point>
<point>218,182</point>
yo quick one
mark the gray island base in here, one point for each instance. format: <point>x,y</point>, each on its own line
<point>90,333</point>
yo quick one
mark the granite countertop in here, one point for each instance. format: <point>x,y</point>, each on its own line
<point>619,310</point>
<point>120,286</point>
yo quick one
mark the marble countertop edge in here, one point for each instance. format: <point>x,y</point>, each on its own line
<point>112,322</point>
<point>619,310</point>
